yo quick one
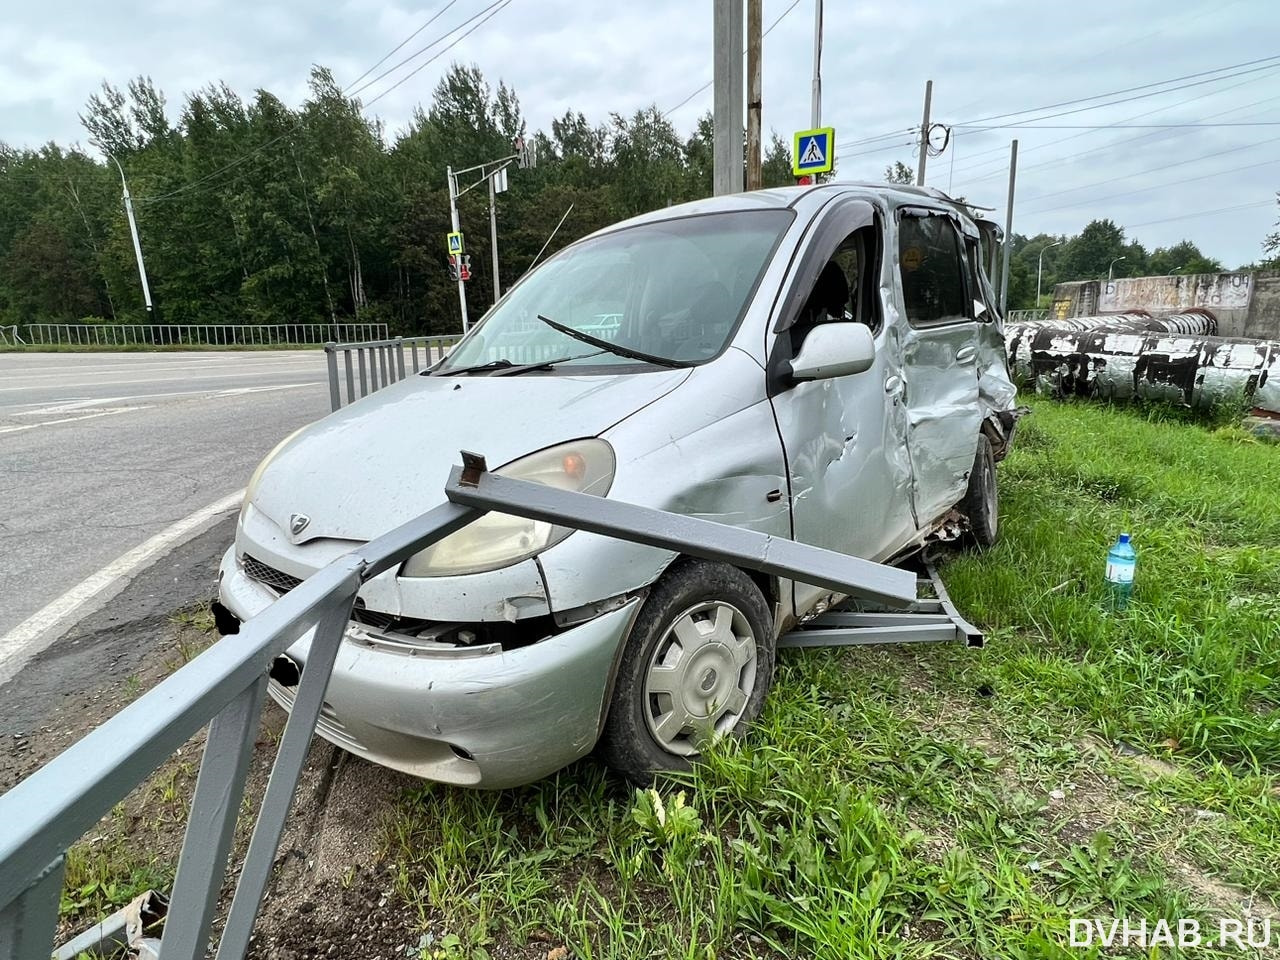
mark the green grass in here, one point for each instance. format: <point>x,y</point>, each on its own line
<point>938,801</point>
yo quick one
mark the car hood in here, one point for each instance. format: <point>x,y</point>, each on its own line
<point>383,460</point>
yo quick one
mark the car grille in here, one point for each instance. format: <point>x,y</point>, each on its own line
<point>277,580</point>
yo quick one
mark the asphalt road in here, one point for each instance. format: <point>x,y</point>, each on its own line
<point>99,452</point>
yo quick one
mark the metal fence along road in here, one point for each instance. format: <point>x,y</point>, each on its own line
<point>223,689</point>
<point>1026,316</point>
<point>373,364</point>
<point>9,337</point>
<point>226,335</point>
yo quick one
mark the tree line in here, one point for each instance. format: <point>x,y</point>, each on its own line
<point>254,212</point>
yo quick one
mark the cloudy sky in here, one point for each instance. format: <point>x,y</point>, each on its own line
<point>988,58</point>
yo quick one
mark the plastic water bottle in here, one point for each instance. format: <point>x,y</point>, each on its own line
<point>1121,562</point>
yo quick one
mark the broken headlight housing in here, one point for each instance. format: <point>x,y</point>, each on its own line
<point>498,540</point>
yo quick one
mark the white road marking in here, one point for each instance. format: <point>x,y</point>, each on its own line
<point>39,630</point>
<point>87,416</point>
<point>66,406</point>
<point>188,379</point>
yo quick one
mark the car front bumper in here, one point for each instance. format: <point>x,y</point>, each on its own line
<point>481,720</point>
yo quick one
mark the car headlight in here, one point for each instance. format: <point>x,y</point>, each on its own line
<point>498,539</point>
<point>255,478</point>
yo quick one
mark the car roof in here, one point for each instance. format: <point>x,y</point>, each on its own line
<point>806,200</point>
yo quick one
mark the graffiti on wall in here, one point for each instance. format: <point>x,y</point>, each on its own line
<point>1222,291</point>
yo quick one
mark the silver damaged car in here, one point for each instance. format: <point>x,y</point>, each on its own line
<point>821,363</point>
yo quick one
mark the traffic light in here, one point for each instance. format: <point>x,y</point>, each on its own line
<point>465,272</point>
<point>453,268</point>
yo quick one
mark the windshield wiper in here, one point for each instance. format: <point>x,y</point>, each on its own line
<point>545,364</point>
<point>491,365</point>
<point>614,348</point>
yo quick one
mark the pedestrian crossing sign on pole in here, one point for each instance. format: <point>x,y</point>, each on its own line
<point>815,151</point>
<point>455,244</point>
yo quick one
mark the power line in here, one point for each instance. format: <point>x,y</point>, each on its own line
<point>1128,45</point>
<point>1163,166</point>
<point>1159,186</point>
<point>1269,62</point>
<point>765,33</point>
<point>1002,148</point>
<point>1125,126</point>
<point>186,188</point>
<point>1202,213</point>
<point>497,8</point>
<point>421,50</point>
<point>398,46</point>
<point>1145,86</point>
<point>1055,161</point>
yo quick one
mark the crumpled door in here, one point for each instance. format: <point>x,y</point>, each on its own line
<point>939,388</point>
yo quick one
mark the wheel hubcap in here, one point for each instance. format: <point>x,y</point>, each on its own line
<point>700,677</point>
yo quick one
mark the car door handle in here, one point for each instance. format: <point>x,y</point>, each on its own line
<point>893,386</point>
<point>966,354</point>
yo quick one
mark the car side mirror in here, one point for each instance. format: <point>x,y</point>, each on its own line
<point>834,350</point>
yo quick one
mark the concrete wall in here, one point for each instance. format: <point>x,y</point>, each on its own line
<point>1246,304</point>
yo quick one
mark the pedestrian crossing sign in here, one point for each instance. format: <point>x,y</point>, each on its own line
<point>815,151</point>
<point>455,244</point>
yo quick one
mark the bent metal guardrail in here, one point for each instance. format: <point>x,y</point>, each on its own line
<point>170,334</point>
<point>223,688</point>
<point>9,337</point>
<point>374,364</point>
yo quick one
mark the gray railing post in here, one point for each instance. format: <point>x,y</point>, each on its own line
<point>331,358</point>
<point>211,825</point>
<point>399,358</point>
<point>283,783</point>
<point>27,924</point>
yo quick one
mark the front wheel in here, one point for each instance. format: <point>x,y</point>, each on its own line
<point>981,502</point>
<point>697,667</point>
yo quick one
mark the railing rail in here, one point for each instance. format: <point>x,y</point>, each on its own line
<point>1026,316</point>
<point>370,365</point>
<point>9,337</point>
<point>168,334</point>
<point>223,688</point>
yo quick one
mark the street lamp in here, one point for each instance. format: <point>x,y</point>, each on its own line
<point>133,230</point>
<point>1112,267</point>
<point>1040,269</point>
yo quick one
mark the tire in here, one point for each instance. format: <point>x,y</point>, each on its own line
<point>663,701</point>
<point>981,502</point>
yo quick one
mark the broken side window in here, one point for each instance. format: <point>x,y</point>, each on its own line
<point>932,267</point>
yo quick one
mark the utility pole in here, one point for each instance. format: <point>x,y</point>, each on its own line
<point>924,133</point>
<point>1040,269</point>
<point>755,18</point>
<point>453,219</point>
<point>1008,228</point>
<point>493,234</point>
<point>727,80</point>
<point>815,112</point>
<point>133,229</point>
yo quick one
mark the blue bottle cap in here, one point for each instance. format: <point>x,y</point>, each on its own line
<point>1124,538</point>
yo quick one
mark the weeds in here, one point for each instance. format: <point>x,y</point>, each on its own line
<point>911,803</point>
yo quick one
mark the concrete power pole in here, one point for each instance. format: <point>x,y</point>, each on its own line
<point>493,234</point>
<point>815,112</point>
<point>727,80</point>
<point>924,133</point>
<point>1008,229</point>
<point>133,229</point>
<point>755,17</point>
<point>453,219</point>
